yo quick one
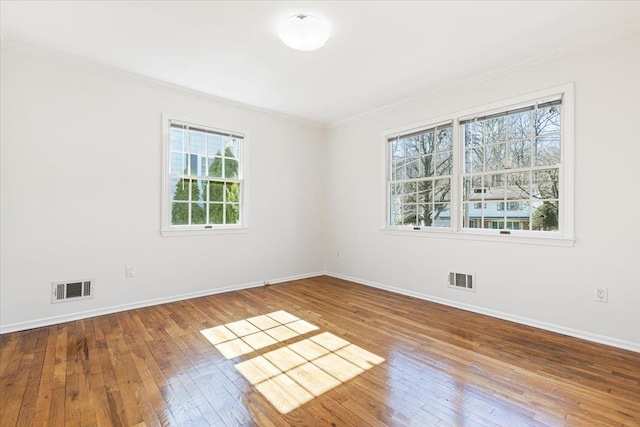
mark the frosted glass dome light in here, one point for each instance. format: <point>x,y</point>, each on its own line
<point>304,32</point>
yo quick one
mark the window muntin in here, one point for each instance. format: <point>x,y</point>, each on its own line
<point>205,177</point>
<point>512,161</point>
<point>420,177</point>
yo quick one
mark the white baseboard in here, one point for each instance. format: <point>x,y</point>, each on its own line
<point>47,321</point>
<point>601,339</point>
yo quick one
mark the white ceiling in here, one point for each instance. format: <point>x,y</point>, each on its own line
<point>380,53</point>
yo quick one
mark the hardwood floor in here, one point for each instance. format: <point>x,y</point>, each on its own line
<point>357,356</point>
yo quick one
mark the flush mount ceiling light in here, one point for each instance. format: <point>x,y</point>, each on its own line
<point>304,32</point>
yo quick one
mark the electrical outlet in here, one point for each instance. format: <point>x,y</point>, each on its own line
<point>602,294</point>
<point>128,272</point>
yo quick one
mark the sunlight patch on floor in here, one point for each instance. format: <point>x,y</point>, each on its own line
<point>292,375</point>
<point>245,336</point>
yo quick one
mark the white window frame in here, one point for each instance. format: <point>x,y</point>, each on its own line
<point>169,230</point>
<point>565,234</point>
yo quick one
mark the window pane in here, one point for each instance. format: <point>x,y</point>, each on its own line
<point>520,125</point>
<point>395,214</point>
<point>496,156</point>
<point>192,165</point>
<point>397,148</point>
<point>214,168</point>
<point>545,184</point>
<point>444,161</point>
<point>518,214</point>
<point>409,192</point>
<point>178,140</point>
<point>474,159</point>
<point>547,120</point>
<point>232,213</point>
<point>412,146</point>
<point>472,188</point>
<point>201,187</point>
<point>520,154</point>
<point>427,143</point>
<point>442,190</point>
<point>179,213</point>
<point>396,189</point>
<point>231,168</point>
<point>183,188</point>
<point>215,191</point>
<point>471,216</point>
<point>495,130</point>
<point>427,166</point>
<point>233,191</point>
<point>214,145</point>
<point>444,141</point>
<point>544,216</point>
<point>198,143</point>
<point>178,165</point>
<point>441,216</point>
<point>413,168</point>
<point>215,213</point>
<point>473,134</point>
<point>397,169</point>
<point>410,214</point>
<point>425,191</point>
<point>232,146</point>
<point>547,150</point>
<point>424,214</point>
<point>492,183</point>
<point>198,214</point>
<point>518,185</point>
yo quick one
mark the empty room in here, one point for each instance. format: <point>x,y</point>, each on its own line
<point>319,213</point>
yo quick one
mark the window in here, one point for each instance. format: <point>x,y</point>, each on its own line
<point>203,179</point>
<point>502,170</point>
<point>514,156</point>
<point>420,185</point>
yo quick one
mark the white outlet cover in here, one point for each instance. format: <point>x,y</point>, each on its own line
<point>602,294</point>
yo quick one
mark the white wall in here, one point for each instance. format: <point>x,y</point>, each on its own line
<point>80,194</point>
<point>553,287</point>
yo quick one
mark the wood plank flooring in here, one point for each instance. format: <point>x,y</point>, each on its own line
<point>442,366</point>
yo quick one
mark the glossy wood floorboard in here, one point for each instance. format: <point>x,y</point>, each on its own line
<point>387,360</point>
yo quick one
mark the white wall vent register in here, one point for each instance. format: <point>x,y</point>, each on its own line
<point>462,281</point>
<point>73,290</point>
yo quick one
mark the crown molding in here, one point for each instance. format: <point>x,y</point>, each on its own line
<point>77,62</point>
<point>619,33</point>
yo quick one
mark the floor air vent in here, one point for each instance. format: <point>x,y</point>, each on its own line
<point>69,291</point>
<point>462,281</point>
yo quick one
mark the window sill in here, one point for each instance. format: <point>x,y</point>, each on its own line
<point>203,231</point>
<point>484,237</point>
